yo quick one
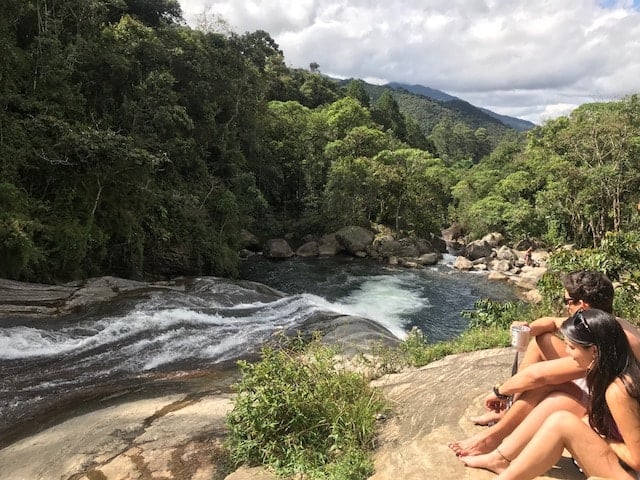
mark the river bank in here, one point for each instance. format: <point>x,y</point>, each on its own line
<point>177,389</point>
<point>180,436</point>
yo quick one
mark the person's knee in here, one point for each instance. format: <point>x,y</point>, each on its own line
<point>562,422</point>
<point>533,349</point>
<point>549,346</point>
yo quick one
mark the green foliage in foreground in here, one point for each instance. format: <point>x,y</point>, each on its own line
<point>416,350</point>
<point>300,413</point>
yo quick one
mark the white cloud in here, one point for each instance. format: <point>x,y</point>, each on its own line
<point>535,60</point>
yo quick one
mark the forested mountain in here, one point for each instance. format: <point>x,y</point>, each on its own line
<point>133,145</point>
<point>515,123</point>
<point>422,90</point>
<point>512,122</point>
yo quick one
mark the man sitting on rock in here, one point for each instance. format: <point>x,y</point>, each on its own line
<point>545,367</point>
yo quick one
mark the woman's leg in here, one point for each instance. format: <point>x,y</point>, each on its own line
<point>565,430</point>
<point>498,459</point>
<point>543,347</point>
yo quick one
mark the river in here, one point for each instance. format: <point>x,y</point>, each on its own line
<point>137,343</point>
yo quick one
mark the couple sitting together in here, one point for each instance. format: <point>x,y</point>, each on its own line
<point>581,394</point>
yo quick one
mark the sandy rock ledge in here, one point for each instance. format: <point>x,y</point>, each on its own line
<point>179,437</point>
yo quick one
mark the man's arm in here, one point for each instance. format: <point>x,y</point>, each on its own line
<point>543,325</point>
<point>549,372</point>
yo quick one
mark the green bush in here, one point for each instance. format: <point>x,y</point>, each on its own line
<point>491,313</point>
<point>299,413</point>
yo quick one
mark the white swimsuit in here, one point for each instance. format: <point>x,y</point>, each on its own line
<point>581,383</point>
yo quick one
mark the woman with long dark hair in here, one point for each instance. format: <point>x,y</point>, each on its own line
<point>609,445</point>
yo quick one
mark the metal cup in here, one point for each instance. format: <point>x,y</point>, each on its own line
<point>520,337</point>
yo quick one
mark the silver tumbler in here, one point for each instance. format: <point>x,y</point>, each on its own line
<point>520,337</point>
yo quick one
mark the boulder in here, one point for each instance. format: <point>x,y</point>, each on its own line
<point>277,248</point>
<point>462,263</point>
<point>409,251</point>
<point>424,246</point>
<point>494,239</point>
<point>505,253</point>
<point>249,241</point>
<point>477,249</point>
<point>355,239</point>
<point>428,259</point>
<point>386,246</point>
<point>329,245</point>
<point>453,233</point>
<point>438,244</point>
<point>529,277</point>
<point>309,249</point>
<point>500,265</point>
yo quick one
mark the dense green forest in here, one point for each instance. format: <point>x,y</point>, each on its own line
<point>134,145</point>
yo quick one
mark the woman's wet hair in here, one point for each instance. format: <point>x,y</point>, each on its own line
<point>613,359</point>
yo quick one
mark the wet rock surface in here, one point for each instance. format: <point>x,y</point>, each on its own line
<point>178,436</point>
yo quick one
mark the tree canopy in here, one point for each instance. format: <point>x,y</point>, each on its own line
<point>133,145</point>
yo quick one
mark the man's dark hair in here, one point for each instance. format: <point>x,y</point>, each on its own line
<point>592,287</point>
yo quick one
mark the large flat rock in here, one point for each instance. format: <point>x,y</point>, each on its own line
<point>432,408</point>
<point>179,437</point>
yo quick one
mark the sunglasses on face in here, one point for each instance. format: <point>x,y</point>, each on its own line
<point>569,301</point>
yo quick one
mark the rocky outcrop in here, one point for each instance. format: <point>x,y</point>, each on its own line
<point>361,242</point>
<point>39,300</point>
<point>179,436</point>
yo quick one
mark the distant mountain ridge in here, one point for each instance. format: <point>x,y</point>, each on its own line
<point>512,122</point>
<point>422,90</point>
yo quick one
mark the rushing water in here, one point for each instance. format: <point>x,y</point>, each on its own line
<point>431,299</point>
<point>45,365</point>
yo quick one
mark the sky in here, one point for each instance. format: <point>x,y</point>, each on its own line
<point>533,59</point>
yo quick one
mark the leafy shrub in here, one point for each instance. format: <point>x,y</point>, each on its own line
<point>300,413</point>
<point>416,351</point>
<point>490,313</point>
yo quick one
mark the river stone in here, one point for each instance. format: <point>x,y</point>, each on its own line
<point>329,245</point>
<point>277,248</point>
<point>355,239</point>
<point>428,259</point>
<point>462,263</point>
<point>308,249</point>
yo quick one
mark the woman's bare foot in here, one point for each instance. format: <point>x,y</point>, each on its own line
<point>478,444</point>
<point>492,461</point>
<point>488,419</point>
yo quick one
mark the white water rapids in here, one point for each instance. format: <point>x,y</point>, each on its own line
<point>45,363</point>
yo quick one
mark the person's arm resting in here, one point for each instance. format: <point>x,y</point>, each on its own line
<point>545,325</point>
<point>549,372</point>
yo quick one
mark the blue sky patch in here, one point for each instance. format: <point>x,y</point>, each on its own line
<point>612,3</point>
